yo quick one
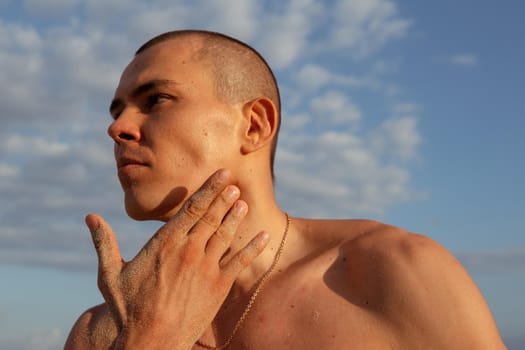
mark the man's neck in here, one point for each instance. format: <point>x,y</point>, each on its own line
<point>274,224</point>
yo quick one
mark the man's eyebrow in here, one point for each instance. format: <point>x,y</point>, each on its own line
<point>141,89</point>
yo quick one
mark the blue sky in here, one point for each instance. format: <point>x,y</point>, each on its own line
<point>405,112</point>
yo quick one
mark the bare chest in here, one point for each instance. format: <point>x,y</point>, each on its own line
<point>303,312</point>
<point>325,323</point>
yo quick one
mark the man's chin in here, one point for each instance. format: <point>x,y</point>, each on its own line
<point>140,216</point>
<point>143,208</point>
<point>143,214</point>
<point>158,213</point>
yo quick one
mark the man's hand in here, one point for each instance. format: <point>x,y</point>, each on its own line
<point>170,292</point>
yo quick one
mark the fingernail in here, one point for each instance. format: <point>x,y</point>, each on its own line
<point>92,223</point>
<point>264,237</point>
<point>240,207</point>
<point>223,175</point>
<point>232,192</point>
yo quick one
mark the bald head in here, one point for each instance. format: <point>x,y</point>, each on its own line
<point>239,72</point>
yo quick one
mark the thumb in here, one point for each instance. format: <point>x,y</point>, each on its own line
<point>109,258</point>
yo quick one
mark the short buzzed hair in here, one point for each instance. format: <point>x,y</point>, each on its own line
<point>240,73</point>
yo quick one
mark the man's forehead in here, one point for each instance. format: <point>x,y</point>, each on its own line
<point>173,59</point>
<point>172,51</point>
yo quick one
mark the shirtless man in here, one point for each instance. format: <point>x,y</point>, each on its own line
<point>196,117</point>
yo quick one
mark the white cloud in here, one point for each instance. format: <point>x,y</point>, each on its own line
<point>313,77</point>
<point>8,170</point>
<point>51,76</point>
<point>382,67</point>
<point>365,25</point>
<point>339,175</point>
<point>510,260</point>
<point>466,59</point>
<point>34,145</point>
<point>234,17</point>
<point>60,259</point>
<point>36,339</point>
<point>297,121</point>
<point>50,8</point>
<point>398,137</point>
<point>286,33</point>
<point>56,160</point>
<point>22,37</point>
<point>406,108</point>
<point>335,108</point>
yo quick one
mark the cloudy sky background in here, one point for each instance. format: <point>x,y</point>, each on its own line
<point>406,112</point>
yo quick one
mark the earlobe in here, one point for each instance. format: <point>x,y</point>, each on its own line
<point>261,124</point>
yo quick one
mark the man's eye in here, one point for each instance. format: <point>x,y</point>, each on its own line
<point>155,100</point>
<point>115,114</point>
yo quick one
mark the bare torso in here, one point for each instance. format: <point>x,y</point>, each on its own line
<point>307,304</point>
<point>352,284</point>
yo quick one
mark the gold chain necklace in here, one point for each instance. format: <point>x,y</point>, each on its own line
<point>255,293</point>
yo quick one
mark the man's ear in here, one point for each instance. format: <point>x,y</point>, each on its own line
<point>260,124</point>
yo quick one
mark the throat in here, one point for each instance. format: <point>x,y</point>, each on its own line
<point>244,312</point>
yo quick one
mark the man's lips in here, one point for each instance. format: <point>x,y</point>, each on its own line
<point>128,161</point>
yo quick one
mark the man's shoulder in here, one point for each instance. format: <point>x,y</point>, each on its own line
<point>391,244</point>
<point>374,257</point>
<point>367,236</point>
<point>95,320</point>
<point>403,260</point>
<point>389,256</point>
<point>410,281</point>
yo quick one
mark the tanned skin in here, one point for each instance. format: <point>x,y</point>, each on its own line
<point>187,157</point>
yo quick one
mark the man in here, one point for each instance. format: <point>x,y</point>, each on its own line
<point>196,116</point>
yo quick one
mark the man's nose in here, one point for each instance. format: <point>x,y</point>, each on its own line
<point>125,128</point>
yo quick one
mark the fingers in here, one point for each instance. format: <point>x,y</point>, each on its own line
<point>105,242</point>
<point>218,220</point>
<point>221,240</point>
<point>245,256</point>
<point>196,206</point>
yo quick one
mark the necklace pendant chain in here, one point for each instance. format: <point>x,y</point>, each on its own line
<point>255,293</point>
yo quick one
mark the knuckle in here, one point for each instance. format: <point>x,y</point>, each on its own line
<point>194,208</point>
<point>245,259</point>
<point>223,236</point>
<point>212,220</point>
